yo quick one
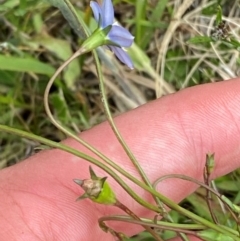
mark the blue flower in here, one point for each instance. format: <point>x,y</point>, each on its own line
<point>118,36</point>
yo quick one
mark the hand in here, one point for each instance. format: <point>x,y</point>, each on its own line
<point>169,135</point>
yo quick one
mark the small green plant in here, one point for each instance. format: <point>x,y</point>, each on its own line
<point>111,35</point>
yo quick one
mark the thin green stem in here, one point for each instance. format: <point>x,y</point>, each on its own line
<point>147,187</point>
<point>123,143</point>
<point>74,136</point>
<point>83,31</point>
<point>208,188</point>
<point>164,199</point>
<point>160,225</point>
<point>70,133</point>
<point>83,156</point>
<point>134,216</point>
<point>114,127</point>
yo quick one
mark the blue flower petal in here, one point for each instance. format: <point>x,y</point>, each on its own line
<point>120,36</point>
<point>122,56</point>
<point>117,35</point>
<point>107,13</point>
<point>97,11</point>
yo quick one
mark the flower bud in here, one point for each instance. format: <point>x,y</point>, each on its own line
<point>210,164</point>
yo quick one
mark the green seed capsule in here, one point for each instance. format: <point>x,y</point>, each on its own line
<point>97,189</point>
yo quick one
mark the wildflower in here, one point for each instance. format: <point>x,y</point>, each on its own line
<point>117,37</point>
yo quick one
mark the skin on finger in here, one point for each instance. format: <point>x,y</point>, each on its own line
<point>169,135</point>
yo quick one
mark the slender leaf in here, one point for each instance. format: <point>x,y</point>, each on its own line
<point>200,39</point>
<point>71,16</point>
<point>25,65</point>
<point>219,15</point>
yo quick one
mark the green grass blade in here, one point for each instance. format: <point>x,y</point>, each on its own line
<point>71,16</point>
<point>25,65</point>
